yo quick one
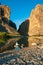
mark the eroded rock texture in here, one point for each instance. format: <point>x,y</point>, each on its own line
<point>6,25</point>
<point>36,26</point>
<point>4,11</point>
<point>36,21</point>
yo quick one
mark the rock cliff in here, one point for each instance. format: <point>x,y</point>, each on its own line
<point>24,27</point>
<point>36,21</point>
<point>6,25</point>
<point>33,26</point>
<point>36,26</point>
<point>4,11</point>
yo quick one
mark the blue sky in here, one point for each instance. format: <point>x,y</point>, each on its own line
<point>20,9</point>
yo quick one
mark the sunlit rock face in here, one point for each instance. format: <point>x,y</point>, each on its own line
<point>36,26</point>
<point>6,25</point>
<point>24,28</point>
<point>4,11</point>
<point>36,21</point>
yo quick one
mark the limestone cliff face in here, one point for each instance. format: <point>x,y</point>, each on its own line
<point>10,27</point>
<point>36,21</point>
<point>24,27</point>
<point>36,26</point>
<point>6,25</point>
<point>4,11</point>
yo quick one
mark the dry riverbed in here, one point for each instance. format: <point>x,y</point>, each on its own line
<point>26,56</point>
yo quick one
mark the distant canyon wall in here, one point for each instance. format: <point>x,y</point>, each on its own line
<point>24,28</point>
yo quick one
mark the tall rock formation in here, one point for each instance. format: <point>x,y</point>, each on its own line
<point>33,25</point>
<point>6,25</point>
<point>4,11</point>
<point>23,30</point>
<point>36,26</point>
<point>36,21</point>
<point>24,27</point>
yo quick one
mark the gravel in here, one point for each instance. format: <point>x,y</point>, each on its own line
<point>25,56</point>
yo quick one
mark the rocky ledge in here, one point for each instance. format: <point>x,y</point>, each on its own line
<point>26,56</point>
